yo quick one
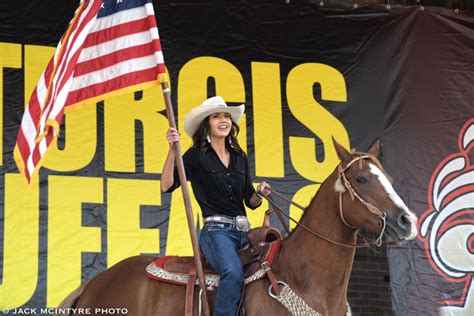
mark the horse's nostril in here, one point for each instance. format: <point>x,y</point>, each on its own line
<point>404,221</point>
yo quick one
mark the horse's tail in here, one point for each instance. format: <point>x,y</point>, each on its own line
<point>70,301</point>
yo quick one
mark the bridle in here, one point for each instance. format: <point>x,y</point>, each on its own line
<point>373,209</point>
<point>342,176</point>
<point>370,207</point>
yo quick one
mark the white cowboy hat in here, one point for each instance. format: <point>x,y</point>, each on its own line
<point>208,107</point>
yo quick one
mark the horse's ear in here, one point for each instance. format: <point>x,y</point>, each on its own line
<point>342,153</point>
<point>374,149</point>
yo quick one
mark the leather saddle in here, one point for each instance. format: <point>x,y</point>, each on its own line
<point>264,245</point>
<point>251,256</point>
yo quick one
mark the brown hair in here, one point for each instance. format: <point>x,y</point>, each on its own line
<point>200,138</point>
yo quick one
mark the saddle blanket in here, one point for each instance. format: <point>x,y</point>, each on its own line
<point>155,270</point>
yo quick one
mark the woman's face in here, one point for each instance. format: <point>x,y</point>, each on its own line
<point>220,124</point>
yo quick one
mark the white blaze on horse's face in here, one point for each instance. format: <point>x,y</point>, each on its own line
<point>410,216</point>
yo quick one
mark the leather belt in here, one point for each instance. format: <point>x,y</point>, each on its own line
<point>241,223</point>
<point>220,219</point>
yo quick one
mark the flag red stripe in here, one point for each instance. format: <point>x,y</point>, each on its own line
<point>152,21</point>
<point>156,45</point>
<point>36,155</point>
<point>27,175</point>
<point>117,31</point>
<point>120,82</point>
<point>34,107</point>
<point>23,146</point>
<point>49,138</point>
<point>161,68</point>
<point>113,58</point>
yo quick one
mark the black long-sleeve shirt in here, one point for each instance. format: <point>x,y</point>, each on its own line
<point>218,190</point>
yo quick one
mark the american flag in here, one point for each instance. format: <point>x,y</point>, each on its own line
<point>110,47</point>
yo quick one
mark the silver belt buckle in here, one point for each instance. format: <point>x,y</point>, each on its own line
<point>242,223</point>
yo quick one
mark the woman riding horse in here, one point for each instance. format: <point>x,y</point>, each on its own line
<point>315,260</point>
<point>219,173</point>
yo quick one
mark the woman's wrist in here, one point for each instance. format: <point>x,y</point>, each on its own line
<point>258,195</point>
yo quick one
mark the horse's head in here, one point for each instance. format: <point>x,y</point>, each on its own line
<point>367,197</point>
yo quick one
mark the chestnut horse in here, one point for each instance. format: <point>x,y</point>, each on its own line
<point>357,194</point>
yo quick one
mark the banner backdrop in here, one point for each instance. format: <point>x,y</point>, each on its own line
<point>306,73</point>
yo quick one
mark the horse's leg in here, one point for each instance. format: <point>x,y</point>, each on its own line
<point>126,285</point>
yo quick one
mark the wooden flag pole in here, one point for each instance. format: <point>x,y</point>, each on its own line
<point>187,200</point>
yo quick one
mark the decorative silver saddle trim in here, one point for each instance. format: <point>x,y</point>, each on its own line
<point>211,280</point>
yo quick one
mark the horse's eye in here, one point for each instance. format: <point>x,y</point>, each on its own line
<point>361,180</point>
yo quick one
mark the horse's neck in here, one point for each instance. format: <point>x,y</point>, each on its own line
<point>316,268</point>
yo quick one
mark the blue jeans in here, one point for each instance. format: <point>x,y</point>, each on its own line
<point>220,244</point>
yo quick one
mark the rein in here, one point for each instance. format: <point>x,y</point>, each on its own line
<point>290,300</point>
<point>370,207</point>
